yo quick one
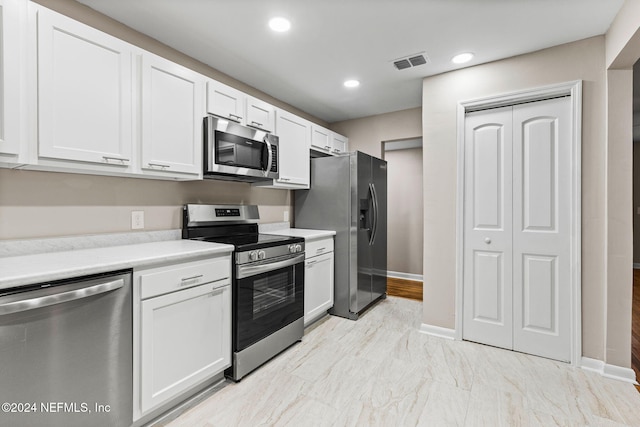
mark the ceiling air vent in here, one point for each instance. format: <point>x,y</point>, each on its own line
<point>410,61</point>
<point>402,64</point>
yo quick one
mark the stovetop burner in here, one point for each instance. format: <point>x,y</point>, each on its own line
<point>235,225</point>
<point>251,242</point>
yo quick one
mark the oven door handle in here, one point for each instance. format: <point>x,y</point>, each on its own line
<point>243,271</point>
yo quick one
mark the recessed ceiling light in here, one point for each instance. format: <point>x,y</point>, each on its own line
<point>462,58</point>
<point>352,83</point>
<point>279,24</point>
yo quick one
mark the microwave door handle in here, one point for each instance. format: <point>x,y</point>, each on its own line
<point>270,161</point>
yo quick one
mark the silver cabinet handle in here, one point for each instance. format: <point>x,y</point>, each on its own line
<point>487,240</point>
<point>284,179</point>
<point>320,249</point>
<point>236,117</point>
<point>327,147</point>
<point>310,263</point>
<point>118,159</point>
<point>187,279</point>
<point>44,301</point>
<point>160,165</point>
<point>257,124</point>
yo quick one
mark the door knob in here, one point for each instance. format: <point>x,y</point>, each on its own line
<point>487,240</point>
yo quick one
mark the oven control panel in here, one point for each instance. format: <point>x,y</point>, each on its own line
<point>227,212</point>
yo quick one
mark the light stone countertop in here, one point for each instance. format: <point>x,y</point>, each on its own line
<point>302,232</point>
<point>44,267</point>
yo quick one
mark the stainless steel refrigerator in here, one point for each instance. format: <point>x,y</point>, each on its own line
<point>348,194</point>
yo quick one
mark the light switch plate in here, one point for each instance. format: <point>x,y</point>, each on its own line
<point>137,220</point>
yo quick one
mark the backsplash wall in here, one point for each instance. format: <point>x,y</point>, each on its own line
<point>48,204</point>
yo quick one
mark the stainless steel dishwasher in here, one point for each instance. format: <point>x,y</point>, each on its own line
<point>66,353</point>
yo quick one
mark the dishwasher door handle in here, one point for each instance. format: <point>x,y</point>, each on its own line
<point>44,301</point>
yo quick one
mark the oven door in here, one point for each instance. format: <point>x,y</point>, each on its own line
<point>268,296</point>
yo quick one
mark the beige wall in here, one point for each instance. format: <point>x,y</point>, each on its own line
<point>405,210</point>
<point>47,204</point>
<point>582,60</point>
<point>367,134</point>
<point>622,51</point>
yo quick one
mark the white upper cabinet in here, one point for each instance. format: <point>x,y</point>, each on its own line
<point>260,114</point>
<point>321,138</point>
<point>294,134</point>
<point>327,141</point>
<point>338,144</point>
<point>225,101</point>
<point>10,79</point>
<point>84,93</point>
<point>229,103</point>
<point>172,110</point>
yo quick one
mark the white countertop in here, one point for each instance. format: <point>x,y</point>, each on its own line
<point>302,232</point>
<point>30,269</point>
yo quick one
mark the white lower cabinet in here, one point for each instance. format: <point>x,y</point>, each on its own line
<point>318,279</point>
<point>184,336</point>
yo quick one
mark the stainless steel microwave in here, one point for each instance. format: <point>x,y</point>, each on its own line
<point>238,153</point>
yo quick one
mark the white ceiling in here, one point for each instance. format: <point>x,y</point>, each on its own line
<point>334,40</point>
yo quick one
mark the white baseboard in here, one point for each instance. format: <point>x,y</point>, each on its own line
<point>406,276</point>
<point>437,331</point>
<point>609,371</point>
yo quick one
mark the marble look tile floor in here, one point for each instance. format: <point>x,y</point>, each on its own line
<point>380,371</point>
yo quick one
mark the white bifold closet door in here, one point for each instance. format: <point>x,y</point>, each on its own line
<point>516,291</point>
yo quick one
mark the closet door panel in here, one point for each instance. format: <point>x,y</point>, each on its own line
<point>541,228</point>
<point>487,292</point>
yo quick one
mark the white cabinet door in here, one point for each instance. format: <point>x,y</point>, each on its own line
<point>186,338</point>
<point>321,139</point>
<point>293,151</point>
<point>260,114</point>
<point>225,101</point>
<point>327,141</point>
<point>171,117</point>
<point>318,286</point>
<point>84,92</point>
<point>338,144</point>
<point>9,77</point>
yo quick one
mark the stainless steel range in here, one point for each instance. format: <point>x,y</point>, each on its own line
<point>267,286</point>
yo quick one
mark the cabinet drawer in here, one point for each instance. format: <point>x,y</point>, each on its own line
<point>318,247</point>
<point>163,280</point>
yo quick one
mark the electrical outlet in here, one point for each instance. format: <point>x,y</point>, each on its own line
<point>137,220</point>
<point>286,216</point>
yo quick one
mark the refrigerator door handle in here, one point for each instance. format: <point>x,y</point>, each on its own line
<point>374,227</point>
